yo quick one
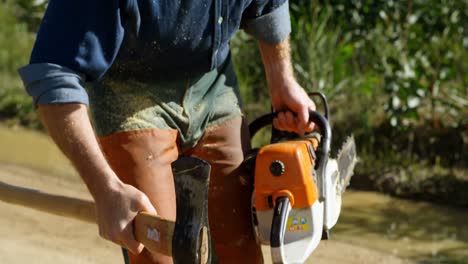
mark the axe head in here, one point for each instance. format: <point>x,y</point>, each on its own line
<point>188,239</point>
<point>191,241</point>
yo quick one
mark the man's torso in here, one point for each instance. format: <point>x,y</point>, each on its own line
<point>166,37</point>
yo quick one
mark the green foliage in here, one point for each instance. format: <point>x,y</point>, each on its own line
<point>29,12</point>
<point>15,40</point>
<point>319,53</point>
<point>15,46</point>
<point>418,47</point>
<point>17,109</point>
<point>247,61</point>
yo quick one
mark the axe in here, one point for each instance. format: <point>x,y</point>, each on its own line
<point>187,239</point>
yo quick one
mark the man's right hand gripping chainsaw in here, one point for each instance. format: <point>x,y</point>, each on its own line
<point>298,187</point>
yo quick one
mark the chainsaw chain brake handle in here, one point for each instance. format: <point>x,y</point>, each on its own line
<point>191,241</point>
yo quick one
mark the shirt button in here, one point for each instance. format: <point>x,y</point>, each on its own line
<point>220,20</point>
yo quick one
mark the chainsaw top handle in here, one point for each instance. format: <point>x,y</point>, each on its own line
<point>323,122</point>
<point>320,121</point>
<point>324,146</point>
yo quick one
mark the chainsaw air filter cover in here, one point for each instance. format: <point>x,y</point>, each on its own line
<point>286,169</point>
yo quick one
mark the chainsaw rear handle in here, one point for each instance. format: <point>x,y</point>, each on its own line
<point>323,150</point>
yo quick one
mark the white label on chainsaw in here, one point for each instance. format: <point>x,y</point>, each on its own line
<point>153,234</point>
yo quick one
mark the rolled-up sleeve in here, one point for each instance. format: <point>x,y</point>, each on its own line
<point>267,20</point>
<point>77,42</point>
<point>52,84</point>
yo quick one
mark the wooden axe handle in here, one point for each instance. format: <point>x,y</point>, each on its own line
<point>151,230</point>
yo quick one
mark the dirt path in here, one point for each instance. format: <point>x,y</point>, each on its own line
<point>30,236</point>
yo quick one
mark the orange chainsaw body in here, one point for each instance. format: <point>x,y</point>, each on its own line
<point>286,169</point>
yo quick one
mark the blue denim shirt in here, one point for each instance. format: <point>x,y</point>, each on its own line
<point>82,41</point>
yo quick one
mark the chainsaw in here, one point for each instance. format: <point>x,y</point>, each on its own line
<point>297,187</point>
